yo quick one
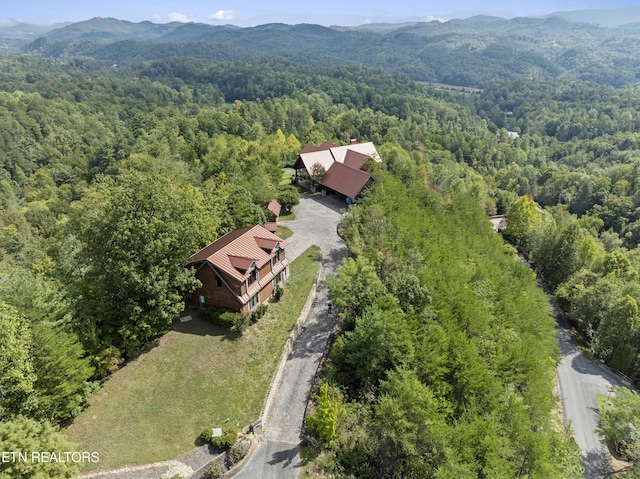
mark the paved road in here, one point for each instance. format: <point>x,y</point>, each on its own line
<point>278,457</point>
<point>581,380</point>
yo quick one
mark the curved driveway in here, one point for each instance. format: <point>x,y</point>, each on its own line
<point>316,222</point>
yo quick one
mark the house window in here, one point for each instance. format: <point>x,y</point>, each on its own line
<point>253,277</point>
<point>202,301</point>
<point>218,281</point>
<point>253,301</point>
<point>277,257</point>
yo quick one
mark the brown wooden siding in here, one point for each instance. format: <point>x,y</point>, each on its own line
<point>216,296</point>
<point>221,297</point>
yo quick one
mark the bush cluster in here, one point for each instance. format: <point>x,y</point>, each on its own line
<point>277,293</point>
<point>227,440</point>
<point>258,312</point>
<point>215,470</point>
<point>220,317</point>
<point>241,322</point>
<point>235,454</point>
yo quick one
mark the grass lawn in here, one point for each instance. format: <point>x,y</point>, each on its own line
<point>283,232</point>
<point>288,217</point>
<point>199,376</point>
<point>287,173</point>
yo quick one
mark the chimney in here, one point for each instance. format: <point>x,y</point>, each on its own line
<point>353,141</point>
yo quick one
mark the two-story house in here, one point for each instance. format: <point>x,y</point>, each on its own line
<point>240,270</point>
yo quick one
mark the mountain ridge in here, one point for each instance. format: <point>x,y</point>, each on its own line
<point>472,52</point>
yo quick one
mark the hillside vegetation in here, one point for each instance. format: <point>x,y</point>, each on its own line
<point>445,364</point>
<point>110,176</point>
<point>474,52</point>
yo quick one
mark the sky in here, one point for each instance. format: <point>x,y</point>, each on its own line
<point>256,12</point>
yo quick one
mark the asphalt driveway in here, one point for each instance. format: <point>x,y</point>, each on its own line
<point>278,457</point>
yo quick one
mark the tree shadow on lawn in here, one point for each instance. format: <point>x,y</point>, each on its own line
<point>199,326</point>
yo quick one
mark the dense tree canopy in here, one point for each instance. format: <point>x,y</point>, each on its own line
<point>138,229</point>
<point>110,178</point>
<point>459,386</point>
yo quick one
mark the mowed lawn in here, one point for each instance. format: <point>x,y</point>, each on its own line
<point>199,376</point>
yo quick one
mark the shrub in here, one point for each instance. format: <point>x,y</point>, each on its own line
<point>240,323</point>
<point>206,434</point>
<point>227,440</point>
<point>219,317</point>
<point>258,312</point>
<point>288,197</point>
<point>277,293</point>
<point>235,454</point>
<point>226,319</point>
<point>215,470</point>
<point>324,420</point>
<point>107,362</point>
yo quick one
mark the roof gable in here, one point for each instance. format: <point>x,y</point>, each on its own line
<point>354,159</point>
<point>323,157</point>
<point>367,149</point>
<point>324,146</point>
<point>235,252</point>
<point>240,262</point>
<point>345,180</point>
<point>267,243</point>
<point>274,207</point>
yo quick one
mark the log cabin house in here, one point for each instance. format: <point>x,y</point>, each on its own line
<point>240,270</point>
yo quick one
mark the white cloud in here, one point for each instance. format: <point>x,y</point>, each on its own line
<point>156,17</point>
<point>223,15</point>
<point>431,18</point>
<point>9,22</point>
<point>180,17</point>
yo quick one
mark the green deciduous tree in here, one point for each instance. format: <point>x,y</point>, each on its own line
<point>62,372</point>
<point>620,422</point>
<point>556,252</point>
<point>412,432</point>
<point>316,174</point>
<point>522,220</point>
<point>355,287</point>
<point>138,230</point>
<point>288,197</point>
<point>617,327</point>
<point>324,419</point>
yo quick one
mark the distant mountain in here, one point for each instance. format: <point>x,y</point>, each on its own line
<point>24,31</point>
<point>111,29</point>
<point>472,52</point>
<point>603,18</point>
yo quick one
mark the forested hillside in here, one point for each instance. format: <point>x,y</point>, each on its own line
<point>474,52</point>
<point>111,176</point>
<point>445,364</point>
